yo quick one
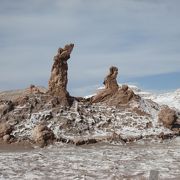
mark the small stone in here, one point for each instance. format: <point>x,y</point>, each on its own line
<point>149,125</point>
<point>167,116</point>
<point>111,86</point>
<point>43,135</point>
<point>5,129</point>
<point>124,87</point>
<point>6,138</point>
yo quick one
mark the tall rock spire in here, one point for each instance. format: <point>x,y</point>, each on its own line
<point>59,77</point>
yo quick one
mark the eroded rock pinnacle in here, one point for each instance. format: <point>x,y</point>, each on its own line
<point>59,77</point>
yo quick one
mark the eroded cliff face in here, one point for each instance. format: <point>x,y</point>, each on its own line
<point>59,77</point>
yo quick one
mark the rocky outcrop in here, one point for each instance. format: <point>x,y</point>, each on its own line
<point>59,79</point>
<point>111,86</point>
<point>116,113</point>
<point>167,116</point>
<point>113,94</point>
<point>122,97</point>
<point>42,135</point>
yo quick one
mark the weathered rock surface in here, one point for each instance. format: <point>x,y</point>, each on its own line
<point>42,135</point>
<point>112,94</point>
<point>83,123</point>
<point>111,86</point>
<point>167,116</point>
<point>5,129</point>
<point>122,97</point>
<point>59,78</point>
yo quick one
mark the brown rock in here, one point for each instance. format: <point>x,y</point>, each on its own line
<point>123,96</point>
<point>111,86</point>
<point>42,135</point>
<point>5,129</point>
<point>58,80</point>
<point>34,90</point>
<point>112,94</point>
<point>6,106</point>
<point>6,138</point>
<point>110,81</point>
<point>167,116</point>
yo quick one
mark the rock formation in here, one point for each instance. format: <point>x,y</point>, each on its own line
<point>111,86</point>
<point>123,96</point>
<point>42,135</point>
<point>58,80</point>
<point>113,94</point>
<point>5,131</point>
<point>167,116</point>
<point>110,81</point>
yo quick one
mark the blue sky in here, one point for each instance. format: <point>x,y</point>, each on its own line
<point>140,37</point>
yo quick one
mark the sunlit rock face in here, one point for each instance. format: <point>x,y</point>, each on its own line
<point>59,77</point>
